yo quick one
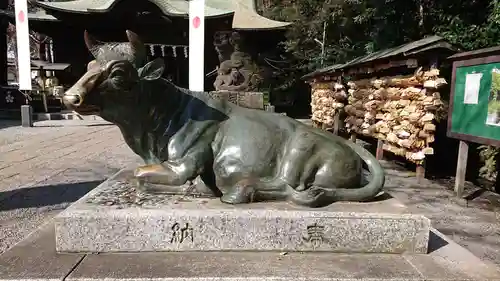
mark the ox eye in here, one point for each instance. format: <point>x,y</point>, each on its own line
<point>118,73</point>
<point>117,76</point>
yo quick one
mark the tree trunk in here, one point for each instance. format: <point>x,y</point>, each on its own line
<point>421,17</point>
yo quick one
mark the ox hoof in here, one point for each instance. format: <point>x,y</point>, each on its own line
<point>239,194</point>
<point>148,170</point>
<point>313,197</point>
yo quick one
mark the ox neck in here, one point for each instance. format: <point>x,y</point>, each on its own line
<point>158,111</point>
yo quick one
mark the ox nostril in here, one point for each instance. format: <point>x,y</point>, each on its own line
<point>72,100</point>
<point>78,100</point>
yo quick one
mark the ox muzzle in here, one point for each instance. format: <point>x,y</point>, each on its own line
<point>78,97</point>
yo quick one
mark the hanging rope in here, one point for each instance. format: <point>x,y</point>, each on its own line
<point>268,61</point>
<point>33,37</point>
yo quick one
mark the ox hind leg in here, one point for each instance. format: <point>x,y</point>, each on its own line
<point>300,161</point>
<point>313,173</point>
<point>303,188</point>
<point>324,180</point>
<point>252,189</point>
<point>294,171</point>
<point>315,189</point>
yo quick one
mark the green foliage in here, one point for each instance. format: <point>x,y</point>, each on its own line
<point>358,27</point>
<point>473,26</point>
<point>493,106</point>
<point>488,157</point>
<point>495,84</point>
<point>488,153</point>
<point>353,28</point>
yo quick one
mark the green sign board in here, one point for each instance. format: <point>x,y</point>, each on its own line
<point>475,102</point>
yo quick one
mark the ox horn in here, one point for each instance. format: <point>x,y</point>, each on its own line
<point>138,48</point>
<point>92,44</point>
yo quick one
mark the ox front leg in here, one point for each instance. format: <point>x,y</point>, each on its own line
<point>170,176</point>
<point>165,173</point>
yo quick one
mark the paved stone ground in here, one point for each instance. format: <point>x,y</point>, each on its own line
<point>46,168</point>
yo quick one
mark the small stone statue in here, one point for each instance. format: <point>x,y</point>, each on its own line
<point>237,71</point>
<point>240,155</point>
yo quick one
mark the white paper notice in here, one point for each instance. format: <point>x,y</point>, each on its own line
<point>472,85</point>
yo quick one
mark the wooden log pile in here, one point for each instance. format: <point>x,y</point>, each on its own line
<point>328,98</point>
<point>400,110</point>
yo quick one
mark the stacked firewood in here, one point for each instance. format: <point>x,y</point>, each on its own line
<point>328,98</point>
<point>399,110</point>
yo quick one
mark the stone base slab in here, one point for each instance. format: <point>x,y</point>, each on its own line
<point>253,100</point>
<point>116,218</point>
<point>35,259</point>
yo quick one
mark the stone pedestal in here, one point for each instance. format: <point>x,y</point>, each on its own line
<point>197,239</point>
<point>35,259</point>
<point>26,116</point>
<point>254,100</point>
<point>116,218</point>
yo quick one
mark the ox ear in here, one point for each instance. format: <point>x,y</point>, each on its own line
<point>152,70</point>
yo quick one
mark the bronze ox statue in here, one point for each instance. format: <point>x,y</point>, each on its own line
<point>241,155</point>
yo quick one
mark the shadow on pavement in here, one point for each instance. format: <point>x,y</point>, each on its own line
<point>48,195</point>
<point>435,242</point>
<point>71,125</point>
<point>9,123</point>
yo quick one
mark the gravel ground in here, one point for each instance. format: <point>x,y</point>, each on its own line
<point>474,224</point>
<point>45,168</point>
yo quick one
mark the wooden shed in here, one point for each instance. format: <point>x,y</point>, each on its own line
<point>396,98</point>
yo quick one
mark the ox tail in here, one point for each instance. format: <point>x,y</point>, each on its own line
<point>316,196</point>
<point>373,187</point>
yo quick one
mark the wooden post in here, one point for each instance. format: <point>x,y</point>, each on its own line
<point>420,172</point>
<point>336,123</point>
<point>353,137</point>
<point>43,79</point>
<point>463,151</point>
<point>380,150</point>
<point>434,62</point>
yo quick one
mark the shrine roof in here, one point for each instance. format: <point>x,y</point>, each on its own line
<point>40,64</point>
<point>245,12</point>
<point>426,44</point>
<point>37,16</point>
<point>492,51</point>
